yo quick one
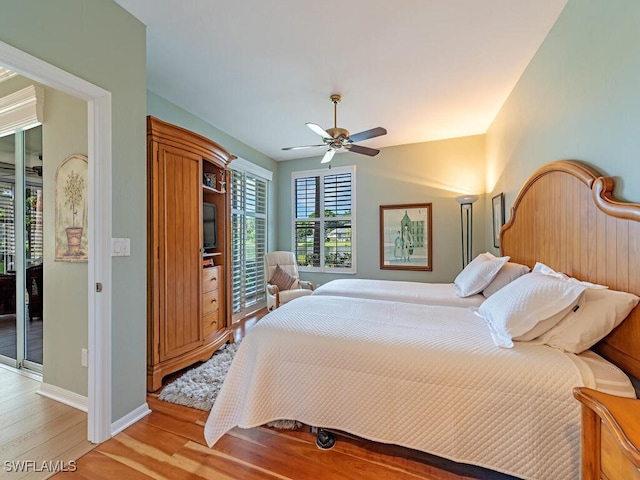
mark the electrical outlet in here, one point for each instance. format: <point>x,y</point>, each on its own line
<point>84,357</point>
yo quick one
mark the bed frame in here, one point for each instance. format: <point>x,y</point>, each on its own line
<point>565,216</point>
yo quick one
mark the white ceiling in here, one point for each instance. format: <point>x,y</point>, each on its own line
<point>260,69</point>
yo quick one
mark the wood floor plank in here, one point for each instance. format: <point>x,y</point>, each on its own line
<point>149,460</point>
<point>30,439</point>
<point>173,409</point>
<point>214,463</point>
<point>55,446</point>
<point>66,461</point>
<point>29,397</point>
<point>97,466</point>
<point>27,412</point>
<point>148,434</point>
<point>169,423</point>
<point>287,456</point>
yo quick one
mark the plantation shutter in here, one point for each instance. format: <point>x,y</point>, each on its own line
<point>7,227</point>
<point>248,239</point>
<point>324,207</point>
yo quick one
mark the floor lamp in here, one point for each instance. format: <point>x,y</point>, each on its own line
<point>466,226</point>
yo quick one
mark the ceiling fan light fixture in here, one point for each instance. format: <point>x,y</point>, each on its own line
<point>339,138</point>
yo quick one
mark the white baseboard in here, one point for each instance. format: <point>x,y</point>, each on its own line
<point>130,418</point>
<point>61,395</point>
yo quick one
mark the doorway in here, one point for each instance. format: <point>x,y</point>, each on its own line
<point>99,197</point>
<point>21,269</point>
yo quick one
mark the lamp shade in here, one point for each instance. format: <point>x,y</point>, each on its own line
<point>467,199</point>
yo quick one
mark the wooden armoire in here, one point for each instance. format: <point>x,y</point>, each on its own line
<point>189,294</point>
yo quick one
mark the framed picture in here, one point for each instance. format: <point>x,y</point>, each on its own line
<point>71,210</point>
<point>497,206</point>
<point>405,237</point>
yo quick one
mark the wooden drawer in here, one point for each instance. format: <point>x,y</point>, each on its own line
<point>614,463</point>
<point>210,322</point>
<point>210,278</point>
<point>209,302</point>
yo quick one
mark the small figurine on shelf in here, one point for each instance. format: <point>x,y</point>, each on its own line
<point>210,180</point>
<point>223,183</point>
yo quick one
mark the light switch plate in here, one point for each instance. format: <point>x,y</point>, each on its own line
<point>120,247</point>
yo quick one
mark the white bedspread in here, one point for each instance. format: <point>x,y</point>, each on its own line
<point>397,291</point>
<point>425,377</point>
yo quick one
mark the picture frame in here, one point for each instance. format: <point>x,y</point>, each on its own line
<point>497,208</point>
<point>406,237</point>
<point>71,210</point>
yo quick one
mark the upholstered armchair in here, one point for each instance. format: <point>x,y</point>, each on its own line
<point>283,280</point>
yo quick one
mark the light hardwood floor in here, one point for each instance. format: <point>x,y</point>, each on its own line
<point>169,444</point>
<point>37,434</point>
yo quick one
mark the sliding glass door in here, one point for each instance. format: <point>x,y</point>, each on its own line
<point>21,249</point>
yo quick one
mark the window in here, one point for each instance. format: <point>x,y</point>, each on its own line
<point>324,207</point>
<point>248,239</point>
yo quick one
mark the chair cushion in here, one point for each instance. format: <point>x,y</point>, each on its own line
<point>282,279</point>
<point>289,295</point>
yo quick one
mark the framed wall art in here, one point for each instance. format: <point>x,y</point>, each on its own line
<point>71,210</point>
<point>405,237</point>
<point>497,207</point>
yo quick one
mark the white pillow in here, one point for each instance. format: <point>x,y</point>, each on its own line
<point>599,313</point>
<point>544,269</point>
<point>507,274</point>
<point>518,308</point>
<point>478,274</point>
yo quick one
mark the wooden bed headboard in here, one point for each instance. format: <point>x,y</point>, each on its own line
<point>565,217</point>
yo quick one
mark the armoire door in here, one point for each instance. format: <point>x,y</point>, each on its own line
<point>180,261</point>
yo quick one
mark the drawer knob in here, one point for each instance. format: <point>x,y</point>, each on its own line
<point>213,301</point>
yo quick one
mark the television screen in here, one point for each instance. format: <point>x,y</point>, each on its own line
<point>209,225</point>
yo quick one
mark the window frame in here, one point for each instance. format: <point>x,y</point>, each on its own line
<point>321,174</point>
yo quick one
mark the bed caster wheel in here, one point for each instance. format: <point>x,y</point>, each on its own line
<point>325,440</point>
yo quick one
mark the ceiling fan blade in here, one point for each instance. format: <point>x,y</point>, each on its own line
<point>372,152</point>
<point>319,130</point>
<point>328,156</point>
<point>374,132</point>
<point>303,146</point>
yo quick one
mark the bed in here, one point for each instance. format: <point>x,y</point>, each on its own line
<point>398,291</point>
<point>465,291</point>
<point>430,377</point>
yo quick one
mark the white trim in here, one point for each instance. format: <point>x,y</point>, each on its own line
<point>99,153</point>
<point>130,418</point>
<point>64,396</point>
<point>99,332</point>
<point>21,110</point>
<point>6,74</point>
<point>242,165</point>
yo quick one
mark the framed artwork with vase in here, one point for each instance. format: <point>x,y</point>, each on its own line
<point>71,210</point>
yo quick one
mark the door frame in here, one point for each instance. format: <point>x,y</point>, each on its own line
<point>99,209</point>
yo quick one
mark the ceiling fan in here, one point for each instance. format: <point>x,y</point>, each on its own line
<point>339,139</point>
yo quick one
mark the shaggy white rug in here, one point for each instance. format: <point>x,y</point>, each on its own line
<point>199,387</point>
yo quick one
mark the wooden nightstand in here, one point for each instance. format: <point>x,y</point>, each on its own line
<point>610,436</point>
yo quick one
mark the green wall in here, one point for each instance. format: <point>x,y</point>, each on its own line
<point>430,172</point>
<point>169,112</point>
<point>100,42</point>
<point>578,99</point>
<point>65,284</point>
